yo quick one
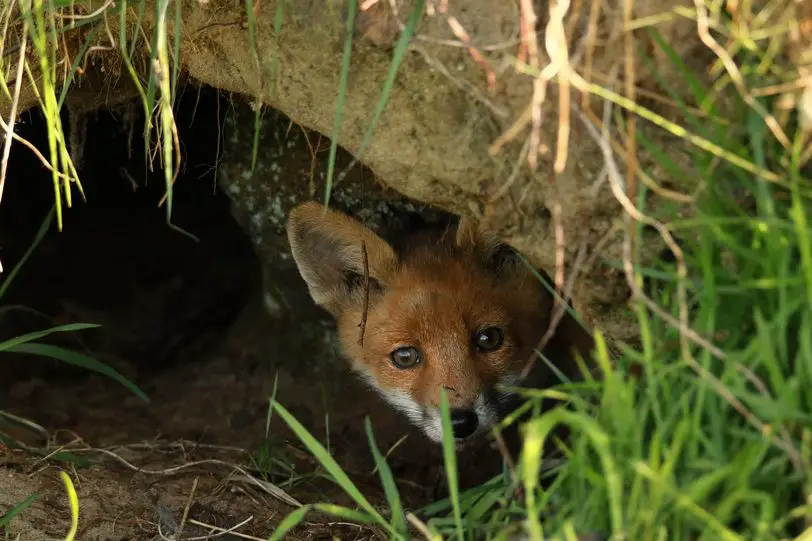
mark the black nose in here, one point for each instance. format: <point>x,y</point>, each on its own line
<point>463,423</point>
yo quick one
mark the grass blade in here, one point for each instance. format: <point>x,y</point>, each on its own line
<point>6,519</point>
<point>388,481</point>
<point>289,522</point>
<point>450,461</point>
<point>397,58</point>
<point>30,337</point>
<point>329,463</point>
<point>76,61</point>
<point>73,504</point>
<point>342,94</point>
<point>76,359</point>
<point>43,229</point>
<point>345,512</point>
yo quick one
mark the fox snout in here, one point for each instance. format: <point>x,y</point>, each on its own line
<point>464,422</point>
<point>468,420</point>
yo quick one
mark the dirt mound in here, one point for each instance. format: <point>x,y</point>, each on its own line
<point>456,94</point>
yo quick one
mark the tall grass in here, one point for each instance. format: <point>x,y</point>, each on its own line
<point>666,455</point>
<point>42,25</point>
<point>676,440</point>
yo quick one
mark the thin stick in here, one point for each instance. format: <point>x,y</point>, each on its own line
<point>185,516</point>
<point>503,450</point>
<point>558,311</point>
<point>631,118</point>
<point>419,525</point>
<point>13,112</point>
<point>222,531</point>
<point>703,29</point>
<point>363,324</point>
<point>529,43</point>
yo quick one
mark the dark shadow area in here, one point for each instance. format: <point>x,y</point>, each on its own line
<point>158,294</point>
<point>184,320</point>
<point>155,290</point>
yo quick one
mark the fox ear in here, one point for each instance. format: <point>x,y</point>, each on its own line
<point>488,247</point>
<point>328,247</point>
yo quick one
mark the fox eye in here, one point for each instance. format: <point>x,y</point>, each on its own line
<point>489,339</point>
<point>406,357</point>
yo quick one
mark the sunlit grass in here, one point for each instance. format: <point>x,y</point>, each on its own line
<point>675,441</point>
<point>678,442</point>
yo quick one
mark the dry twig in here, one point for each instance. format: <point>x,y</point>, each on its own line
<point>631,118</point>
<point>702,27</point>
<point>465,39</point>
<point>9,127</point>
<point>363,324</point>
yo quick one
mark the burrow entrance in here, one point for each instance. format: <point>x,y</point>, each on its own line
<point>186,321</point>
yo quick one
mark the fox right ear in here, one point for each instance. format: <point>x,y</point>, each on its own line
<point>328,247</point>
<point>491,251</point>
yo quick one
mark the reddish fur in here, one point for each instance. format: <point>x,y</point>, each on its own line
<point>436,303</point>
<point>435,294</point>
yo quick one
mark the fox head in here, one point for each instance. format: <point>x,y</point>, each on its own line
<point>456,311</point>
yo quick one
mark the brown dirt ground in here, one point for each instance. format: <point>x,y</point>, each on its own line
<point>189,324</point>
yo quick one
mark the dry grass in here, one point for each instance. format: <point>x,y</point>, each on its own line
<point>761,66</point>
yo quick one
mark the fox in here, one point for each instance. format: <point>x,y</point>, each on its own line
<point>449,307</point>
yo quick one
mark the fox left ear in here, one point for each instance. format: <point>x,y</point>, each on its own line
<point>489,248</point>
<point>332,251</point>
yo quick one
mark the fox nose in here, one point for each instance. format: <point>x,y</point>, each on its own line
<point>463,423</point>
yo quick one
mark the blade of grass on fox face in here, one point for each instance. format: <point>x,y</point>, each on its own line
<point>450,461</point>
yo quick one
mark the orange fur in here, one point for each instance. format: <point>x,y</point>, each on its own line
<point>437,294</point>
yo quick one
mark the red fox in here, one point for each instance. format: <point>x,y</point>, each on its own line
<point>454,309</point>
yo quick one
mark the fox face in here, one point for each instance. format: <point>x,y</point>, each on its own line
<point>452,310</point>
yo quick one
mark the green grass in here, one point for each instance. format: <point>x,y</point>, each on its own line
<point>699,445</point>
<point>41,24</point>
<point>346,58</point>
<point>666,456</point>
<point>675,441</point>
<point>7,517</point>
<point>31,343</point>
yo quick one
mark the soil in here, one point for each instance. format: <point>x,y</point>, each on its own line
<point>205,329</point>
<point>433,142</point>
